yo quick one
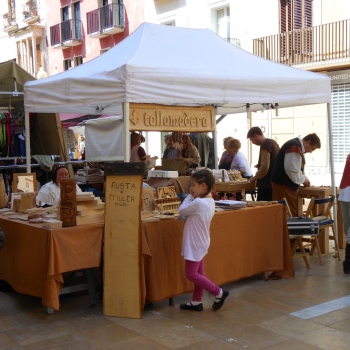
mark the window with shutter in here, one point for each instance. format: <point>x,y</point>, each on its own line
<point>295,18</point>
<point>12,9</point>
<point>340,123</point>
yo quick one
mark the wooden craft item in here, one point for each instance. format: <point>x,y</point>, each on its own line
<point>170,205</point>
<point>235,175</point>
<point>68,203</point>
<point>166,192</point>
<point>23,201</point>
<point>147,199</point>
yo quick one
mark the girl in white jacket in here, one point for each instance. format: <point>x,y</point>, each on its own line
<point>199,209</point>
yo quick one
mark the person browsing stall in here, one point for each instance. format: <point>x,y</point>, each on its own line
<point>226,157</point>
<point>138,153</point>
<point>288,171</point>
<point>198,209</point>
<point>50,193</point>
<point>267,155</point>
<point>171,151</point>
<point>344,199</point>
<point>189,150</point>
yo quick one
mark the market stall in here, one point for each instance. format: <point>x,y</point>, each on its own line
<point>165,78</point>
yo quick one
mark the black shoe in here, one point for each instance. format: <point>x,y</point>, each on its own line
<point>218,304</point>
<point>198,307</point>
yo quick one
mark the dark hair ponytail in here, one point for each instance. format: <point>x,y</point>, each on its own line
<point>205,176</point>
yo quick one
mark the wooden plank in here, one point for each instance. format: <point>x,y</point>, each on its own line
<point>85,206</point>
<point>86,212</point>
<point>91,219</point>
<point>121,273</point>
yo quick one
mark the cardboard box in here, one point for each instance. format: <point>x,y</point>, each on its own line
<point>163,173</point>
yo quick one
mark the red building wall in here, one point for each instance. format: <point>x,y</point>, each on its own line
<point>90,47</point>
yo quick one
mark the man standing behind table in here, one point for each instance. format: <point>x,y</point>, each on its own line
<point>288,171</point>
<point>267,155</point>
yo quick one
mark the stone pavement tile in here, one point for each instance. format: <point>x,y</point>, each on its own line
<point>332,318</point>
<point>218,343</point>
<point>292,344</point>
<point>165,331</point>
<point>60,342</point>
<point>137,343</point>
<point>308,332</point>
<point>6,343</point>
<point>290,326</point>
<point>249,314</point>
<point>102,337</point>
<point>327,338</point>
<point>342,325</point>
<point>7,323</point>
<point>243,335</point>
<point>285,304</point>
<point>32,334</point>
<point>323,294</point>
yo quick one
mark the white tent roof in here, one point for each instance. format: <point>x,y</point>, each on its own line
<point>175,66</point>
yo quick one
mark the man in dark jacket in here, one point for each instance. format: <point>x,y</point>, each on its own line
<point>288,171</point>
<point>267,155</point>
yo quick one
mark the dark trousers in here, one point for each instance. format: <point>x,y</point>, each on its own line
<point>264,194</point>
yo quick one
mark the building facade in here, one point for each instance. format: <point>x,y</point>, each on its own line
<point>314,35</point>
<point>57,35</point>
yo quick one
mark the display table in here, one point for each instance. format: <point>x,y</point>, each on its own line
<point>244,243</point>
<point>33,259</point>
<point>323,192</point>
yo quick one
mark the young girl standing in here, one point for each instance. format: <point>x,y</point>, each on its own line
<point>199,208</point>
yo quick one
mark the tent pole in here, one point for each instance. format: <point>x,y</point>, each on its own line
<point>126,112</point>
<point>330,141</point>
<point>215,137</point>
<point>27,130</point>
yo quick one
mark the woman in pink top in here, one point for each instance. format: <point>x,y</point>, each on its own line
<point>198,209</point>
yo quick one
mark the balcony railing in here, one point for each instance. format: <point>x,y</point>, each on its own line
<point>30,11</point>
<point>310,46</point>
<point>67,33</point>
<point>9,23</point>
<point>106,20</point>
<point>234,41</point>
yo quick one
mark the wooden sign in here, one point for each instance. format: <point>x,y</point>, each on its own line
<point>122,253</point>
<point>68,203</point>
<point>152,117</point>
<point>147,200</point>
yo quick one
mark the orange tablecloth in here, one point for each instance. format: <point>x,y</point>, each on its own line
<point>33,259</point>
<point>244,243</point>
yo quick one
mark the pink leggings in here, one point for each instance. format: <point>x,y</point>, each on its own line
<point>194,271</point>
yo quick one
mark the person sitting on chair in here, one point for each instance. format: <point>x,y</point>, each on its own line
<point>50,193</point>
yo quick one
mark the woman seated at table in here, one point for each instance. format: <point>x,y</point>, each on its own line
<point>239,161</point>
<point>226,157</point>
<point>50,193</point>
<point>189,151</point>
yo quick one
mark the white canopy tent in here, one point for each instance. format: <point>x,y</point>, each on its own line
<point>175,66</point>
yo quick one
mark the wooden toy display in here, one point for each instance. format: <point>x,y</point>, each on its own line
<point>235,175</point>
<point>167,201</point>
